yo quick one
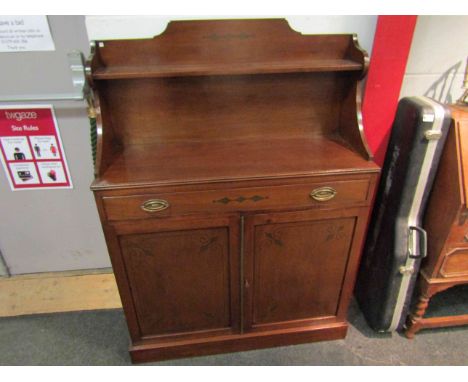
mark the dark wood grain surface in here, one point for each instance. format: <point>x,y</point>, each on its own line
<point>226,107</point>
<point>285,263</point>
<point>226,47</point>
<point>187,162</point>
<point>348,192</point>
<point>247,136</point>
<point>160,268</point>
<point>446,223</point>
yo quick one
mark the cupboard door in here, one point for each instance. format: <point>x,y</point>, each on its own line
<point>295,266</point>
<point>182,277</point>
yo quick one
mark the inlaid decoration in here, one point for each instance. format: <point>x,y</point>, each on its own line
<point>240,199</point>
<point>335,232</point>
<point>273,238</point>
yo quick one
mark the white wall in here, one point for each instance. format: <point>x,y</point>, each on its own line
<point>122,27</point>
<point>437,59</point>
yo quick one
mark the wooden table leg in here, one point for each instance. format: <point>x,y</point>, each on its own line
<point>414,320</point>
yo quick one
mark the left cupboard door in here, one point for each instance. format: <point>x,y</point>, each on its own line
<point>178,277</point>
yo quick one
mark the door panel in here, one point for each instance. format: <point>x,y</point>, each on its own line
<point>298,267</point>
<point>181,280</point>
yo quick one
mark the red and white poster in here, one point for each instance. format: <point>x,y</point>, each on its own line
<point>31,149</point>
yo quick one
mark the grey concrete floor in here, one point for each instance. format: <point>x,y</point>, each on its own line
<point>100,338</point>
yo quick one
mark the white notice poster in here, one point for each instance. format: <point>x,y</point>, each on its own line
<point>25,34</point>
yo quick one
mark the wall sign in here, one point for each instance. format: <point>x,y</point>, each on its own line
<point>25,34</point>
<point>31,149</point>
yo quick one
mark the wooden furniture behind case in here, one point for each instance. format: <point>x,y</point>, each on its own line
<point>233,182</point>
<point>446,223</point>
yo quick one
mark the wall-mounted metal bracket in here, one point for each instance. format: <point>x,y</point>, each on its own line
<point>80,84</point>
<point>77,66</point>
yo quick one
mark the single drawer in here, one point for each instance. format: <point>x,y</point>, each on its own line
<point>236,199</point>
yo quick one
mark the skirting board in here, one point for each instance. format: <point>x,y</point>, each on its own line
<point>58,292</point>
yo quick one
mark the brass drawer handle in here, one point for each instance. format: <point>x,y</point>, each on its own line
<point>154,205</point>
<point>322,194</point>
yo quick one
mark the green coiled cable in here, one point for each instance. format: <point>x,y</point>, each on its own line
<point>93,136</point>
<point>92,126</point>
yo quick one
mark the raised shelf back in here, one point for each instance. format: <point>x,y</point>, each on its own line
<point>216,81</point>
<point>213,47</point>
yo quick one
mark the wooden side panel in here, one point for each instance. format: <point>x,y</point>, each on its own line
<point>107,144</point>
<point>351,127</point>
<point>443,205</point>
<point>447,226</point>
<point>463,137</point>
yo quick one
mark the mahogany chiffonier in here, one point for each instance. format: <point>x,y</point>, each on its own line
<point>233,182</point>
<point>446,223</point>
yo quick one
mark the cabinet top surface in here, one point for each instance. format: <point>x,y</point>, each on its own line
<point>205,162</point>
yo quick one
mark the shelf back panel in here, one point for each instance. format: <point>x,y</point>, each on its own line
<point>223,108</point>
<point>207,47</point>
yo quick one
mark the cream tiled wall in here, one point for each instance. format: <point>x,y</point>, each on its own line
<point>437,59</point>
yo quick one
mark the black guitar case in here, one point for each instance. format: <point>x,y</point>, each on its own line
<point>396,241</point>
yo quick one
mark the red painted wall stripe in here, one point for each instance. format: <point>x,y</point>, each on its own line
<point>392,42</point>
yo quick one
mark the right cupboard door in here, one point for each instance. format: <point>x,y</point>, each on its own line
<point>299,266</point>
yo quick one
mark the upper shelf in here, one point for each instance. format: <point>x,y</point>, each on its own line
<point>227,47</point>
<point>213,69</point>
